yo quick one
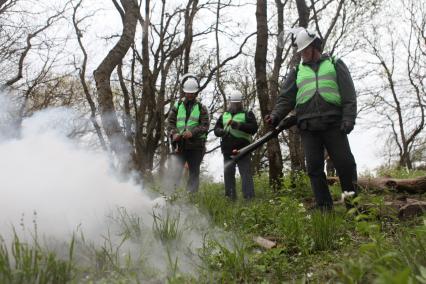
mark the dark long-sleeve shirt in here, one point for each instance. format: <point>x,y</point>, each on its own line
<point>229,142</point>
<point>317,106</point>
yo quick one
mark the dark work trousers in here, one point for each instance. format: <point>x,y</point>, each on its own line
<point>338,148</point>
<point>244,167</point>
<point>193,157</point>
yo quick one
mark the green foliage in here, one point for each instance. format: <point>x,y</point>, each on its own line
<point>366,244</point>
<point>211,201</point>
<point>229,261</point>
<point>166,226</point>
<point>292,224</point>
<point>396,172</point>
<point>22,262</point>
<point>384,261</point>
<point>130,224</point>
<point>326,230</point>
<point>298,185</point>
<point>394,252</point>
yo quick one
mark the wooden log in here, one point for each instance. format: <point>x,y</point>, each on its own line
<point>412,208</point>
<point>411,185</point>
<point>404,208</point>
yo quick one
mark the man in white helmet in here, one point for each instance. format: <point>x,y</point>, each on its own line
<point>188,124</point>
<point>236,127</point>
<point>321,91</point>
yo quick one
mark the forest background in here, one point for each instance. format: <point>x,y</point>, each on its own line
<point>118,63</point>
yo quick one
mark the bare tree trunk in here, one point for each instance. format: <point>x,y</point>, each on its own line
<point>150,115</point>
<point>190,12</point>
<point>126,100</point>
<point>274,151</point>
<point>119,144</point>
<point>297,155</point>
<point>274,84</point>
<point>82,76</point>
<point>219,84</point>
<point>145,145</point>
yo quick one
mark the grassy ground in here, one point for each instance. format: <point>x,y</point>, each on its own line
<point>312,247</point>
<point>346,247</point>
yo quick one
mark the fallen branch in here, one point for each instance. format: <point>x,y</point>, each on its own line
<point>404,209</point>
<point>411,185</point>
<point>412,208</point>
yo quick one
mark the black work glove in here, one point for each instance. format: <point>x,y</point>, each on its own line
<point>219,132</point>
<point>347,126</point>
<point>271,120</point>
<point>235,125</point>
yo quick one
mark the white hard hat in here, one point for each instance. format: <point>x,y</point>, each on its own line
<point>190,85</point>
<point>235,98</point>
<point>303,38</point>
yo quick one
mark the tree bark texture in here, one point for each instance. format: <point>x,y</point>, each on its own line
<point>411,185</point>
<point>116,137</point>
<point>297,155</point>
<point>404,208</point>
<point>274,151</point>
<point>151,119</point>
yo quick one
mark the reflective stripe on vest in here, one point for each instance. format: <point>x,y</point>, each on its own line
<point>324,81</point>
<point>240,118</point>
<point>193,120</point>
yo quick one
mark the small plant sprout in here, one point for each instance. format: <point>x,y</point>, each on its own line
<point>166,227</point>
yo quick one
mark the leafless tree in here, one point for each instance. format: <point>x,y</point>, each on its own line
<point>82,73</point>
<point>29,54</point>
<point>49,22</point>
<point>273,148</point>
<point>163,54</point>
<point>111,125</point>
<point>399,101</point>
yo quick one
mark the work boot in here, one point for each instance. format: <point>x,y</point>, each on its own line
<point>348,199</point>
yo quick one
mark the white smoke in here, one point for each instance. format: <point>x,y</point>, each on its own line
<point>49,178</point>
<point>66,185</point>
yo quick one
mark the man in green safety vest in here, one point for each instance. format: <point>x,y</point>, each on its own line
<point>188,124</point>
<point>236,128</point>
<point>321,91</point>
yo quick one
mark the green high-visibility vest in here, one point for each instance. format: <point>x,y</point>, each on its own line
<point>240,118</point>
<point>182,124</point>
<point>324,81</point>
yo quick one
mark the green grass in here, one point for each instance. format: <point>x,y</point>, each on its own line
<point>399,260</point>
<point>356,246</point>
<point>311,245</point>
<point>400,172</point>
<point>22,262</point>
<point>326,230</point>
<point>166,226</point>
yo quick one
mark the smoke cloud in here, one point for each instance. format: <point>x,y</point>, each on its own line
<point>56,182</point>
